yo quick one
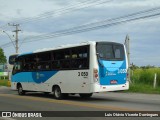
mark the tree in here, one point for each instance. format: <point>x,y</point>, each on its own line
<point>2,56</point>
<point>133,66</point>
<point>147,67</point>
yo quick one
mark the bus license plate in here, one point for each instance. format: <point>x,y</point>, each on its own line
<point>113,82</point>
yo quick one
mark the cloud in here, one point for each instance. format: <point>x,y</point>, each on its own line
<point>19,11</point>
<point>131,3</point>
<point>144,34</point>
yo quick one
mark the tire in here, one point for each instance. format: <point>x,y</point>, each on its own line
<point>85,95</point>
<point>20,90</point>
<point>57,93</point>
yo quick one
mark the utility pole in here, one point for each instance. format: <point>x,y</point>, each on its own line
<point>127,43</point>
<point>16,39</point>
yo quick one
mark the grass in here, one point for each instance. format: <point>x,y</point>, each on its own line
<point>142,81</point>
<point>145,76</point>
<point>142,88</point>
<point>4,82</point>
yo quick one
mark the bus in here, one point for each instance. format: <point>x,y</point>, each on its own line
<point>83,69</point>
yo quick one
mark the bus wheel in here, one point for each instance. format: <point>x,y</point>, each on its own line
<point>85,95</point>
<point>20,90</point>
<point>57,93</point>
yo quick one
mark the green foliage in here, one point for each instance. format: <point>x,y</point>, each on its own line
<point>143,78</point>
<point>147,67</point>
<point>2,56</point>
<point>142,88</point>
<point>4,77</point>
<point>3,82</point>
<point>133,67</point>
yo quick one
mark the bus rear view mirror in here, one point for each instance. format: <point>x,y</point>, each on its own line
<point>12,59</point>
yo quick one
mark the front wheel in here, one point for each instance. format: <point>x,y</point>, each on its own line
<point>85,95</point>
<point>20,90</point>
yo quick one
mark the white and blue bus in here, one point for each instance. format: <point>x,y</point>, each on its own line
<point>82,69</point>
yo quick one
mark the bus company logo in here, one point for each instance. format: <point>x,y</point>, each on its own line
<point>6,114</point>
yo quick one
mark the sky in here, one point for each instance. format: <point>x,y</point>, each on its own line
<point>57,15</point>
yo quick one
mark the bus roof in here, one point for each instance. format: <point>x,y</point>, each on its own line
<point>59,47</point>
<point>63,47</point>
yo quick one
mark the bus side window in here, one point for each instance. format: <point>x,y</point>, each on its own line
<point>56,64</point>
<point>48,66</point>
<point>39,67</point>
<point>26,67</point>
<point>80,57</point>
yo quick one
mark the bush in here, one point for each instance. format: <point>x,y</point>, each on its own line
<point>3,82</point>
<point>145,76</point>
<point>4,77</point>
<point>142,80</point>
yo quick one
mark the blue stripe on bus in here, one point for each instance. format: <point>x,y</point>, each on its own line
<point>36,77</point>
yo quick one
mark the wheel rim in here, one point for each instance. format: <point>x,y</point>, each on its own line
<point>20,90</point>
<point>57,92</point>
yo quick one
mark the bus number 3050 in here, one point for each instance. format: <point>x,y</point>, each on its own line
<point>121,71</point>
<point>82,73</point>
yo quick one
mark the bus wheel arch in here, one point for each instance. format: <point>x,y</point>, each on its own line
<point>20,89</point>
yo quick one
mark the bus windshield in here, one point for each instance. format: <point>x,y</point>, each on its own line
<point>110,51</point>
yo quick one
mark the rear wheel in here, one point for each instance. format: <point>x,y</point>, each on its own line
<point>20,90</point>
<point>85,95</point>
<point>57,93</point>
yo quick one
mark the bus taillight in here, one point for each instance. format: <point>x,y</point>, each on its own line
<point>95,71</point>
